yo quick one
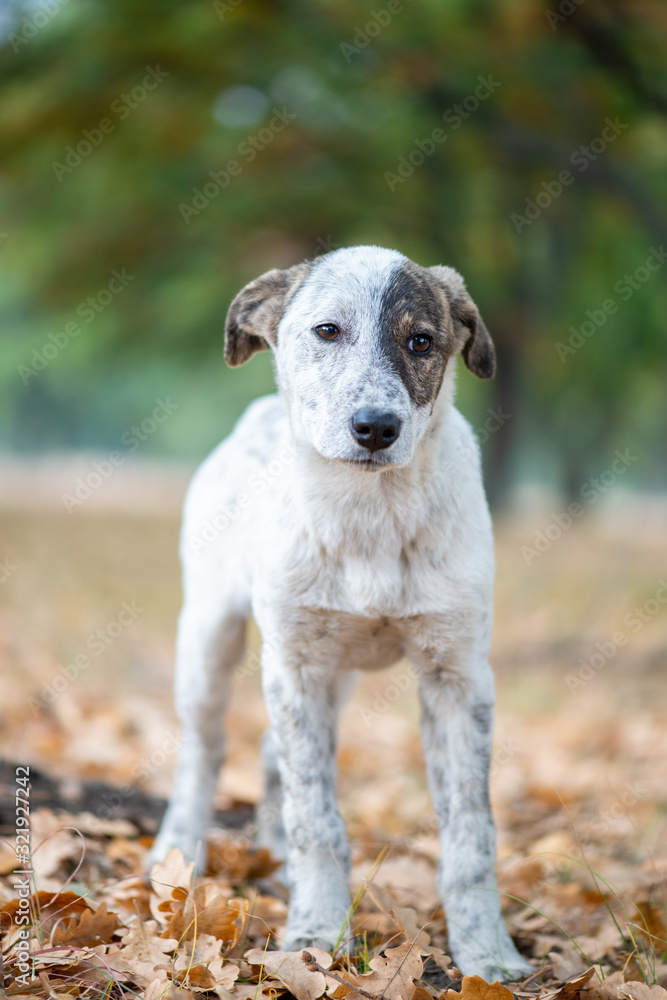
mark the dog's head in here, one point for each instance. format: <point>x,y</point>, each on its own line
<point>362,338</point>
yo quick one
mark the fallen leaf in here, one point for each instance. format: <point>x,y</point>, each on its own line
<point>568,964</point>
<point>475,988</point>
<point>421,994</point>
<point>641,991</point>
<point>406,918</point>
<point>142,952</point>
<point>170,874</point>
<point>157,988</point>
<point>204,948</point>
<point>56,847</point>
<point>393,974</point>
<point>608,989</point>
<point>205,911</point>
<point>289,969</point>
<point>238,862</point>
<point>572,986</point>
<point>85,929</point>
<point>240,991</point>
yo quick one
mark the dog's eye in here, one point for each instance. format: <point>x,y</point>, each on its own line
<point>420,344</point>
<point>327,331</point>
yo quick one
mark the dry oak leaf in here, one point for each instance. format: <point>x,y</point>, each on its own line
<point>47,905</point>
<point>199,965</point>
<point>239,991</point>
<point>476,988</point>
<point>290,970</point>
<point>572,986</point>
<point>393,976</point>
<point>568,964</point>
<point>422,994</point>
<point>162,989</point>
<point>204,948</point>
<point>142,952</point>
<point>157,988</point>
<point>608,989</point>
<point>129,897</point>
<point>213,976</point>
<point>206,911</point>
<point>55,842</point>
<point>641,991</point>
<point>89,928</point>
<point>170,874</point>
<point>238,862</point>
<point>406,918</point>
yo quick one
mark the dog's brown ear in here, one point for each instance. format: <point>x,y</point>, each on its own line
<point>254,315</point>
<point>477,347</point>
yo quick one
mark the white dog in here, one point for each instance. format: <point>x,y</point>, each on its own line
<point>367,540</point>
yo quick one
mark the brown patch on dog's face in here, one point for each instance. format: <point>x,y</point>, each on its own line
<point>413,305</point>
<point>254,315</point>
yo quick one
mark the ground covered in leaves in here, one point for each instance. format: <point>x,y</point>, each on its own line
<point>86,631</point>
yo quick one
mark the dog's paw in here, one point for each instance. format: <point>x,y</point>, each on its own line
<point>305,943</point>
<point>499,961</point>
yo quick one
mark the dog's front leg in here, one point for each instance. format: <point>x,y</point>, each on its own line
<point>302,705</point>
<point>456,718</point>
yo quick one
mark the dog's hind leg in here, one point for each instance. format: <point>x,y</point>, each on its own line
<point>211,641</point>
<point>270,826</point>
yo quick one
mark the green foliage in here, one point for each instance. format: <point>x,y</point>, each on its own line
<point>367,87</point>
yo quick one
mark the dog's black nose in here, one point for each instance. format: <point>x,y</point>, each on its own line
<point>375,430</point>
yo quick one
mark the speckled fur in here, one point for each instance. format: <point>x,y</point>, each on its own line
<point>347,564</point>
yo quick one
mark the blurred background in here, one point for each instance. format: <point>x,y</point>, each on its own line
<point>521,91</point>
<point>155,158</point>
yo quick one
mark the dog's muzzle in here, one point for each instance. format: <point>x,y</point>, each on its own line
<point>375,430</point>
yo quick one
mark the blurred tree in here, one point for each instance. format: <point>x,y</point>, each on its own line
<point>190,147</point>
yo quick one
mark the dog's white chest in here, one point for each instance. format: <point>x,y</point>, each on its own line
<point>373,585</point>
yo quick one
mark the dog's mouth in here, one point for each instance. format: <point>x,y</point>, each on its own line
<point>369,463</point>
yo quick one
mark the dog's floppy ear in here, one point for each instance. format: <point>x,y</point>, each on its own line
<point>254,315</point>
<point>477,347</point>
